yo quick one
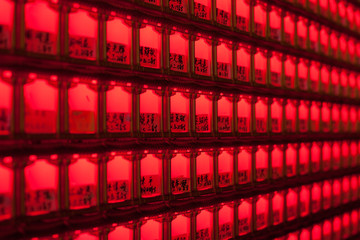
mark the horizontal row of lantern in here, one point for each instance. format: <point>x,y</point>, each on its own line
<point>238,218</point>
<point>129,42</point>
<point>48,105</point>
<point>155,175</point>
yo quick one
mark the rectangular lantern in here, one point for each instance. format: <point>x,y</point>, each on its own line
<point>345,154</point>
<point>315,197</point>
<point>224,60</point>
<point>303,116</point>
<point>180,226</point>
<point>305,234</point>
<point>6,22</point>
<point>41,185</point>
<point>275,23</point>
<point>345,225</point>
<point>354,185</point>
<point>203,57</point>
<point>226,221</point>
<point>243,60</point>
<point>202,9</point>
<point>289,72</point>
<point>303,74</point>
<point>118,108</point>
<point>336,155</point>
<point>277,208</point>
<point>179,52</point>
<point>83,106</point>
<point>314,36</point>
<point>151,175</point>
<point>244,159</point>
<point>119,171</point>
<point>7,188</point>
<point>302,32</point>
<point>335,117</point>
<point>325,79</point>
<point>345,190</point>
<point>304,158</point>
<point>245,216</point>
<point>289,28</point>
<point>314,76</point>
<point>344,82</point>
<point>291,204</point>
<point>327,230</point>
<point>151,228</point>
<point>324,40</point>
<point>261,115</point>
<point>290,116</point>
<point>353,158</point>
<point>261,163</point>
<point>353,119</point>
<point>315,116</point>
<point>81,235</point>
<point>120,231</point>
<point>354,222</point>
<point>352,50</point>
<point>326,194</point>
<point>315,155</point>
<point>242,15</point>
<point>291,160</point>
<point>223,12</point>
<point>304,200</point>
<point>41,27</point>
<point>324,7</point>
<point>276,115</point>
<point>352,84</point>
<point>150,47</point>
<point>316,232</point>
<point>260,19</point>
<point>204,170</point>
<point>179,111</point>
<point>326,156</point>
<point>6,103</point>
<point>118,40</point>
<point>277,160</point>
<point>225,114</point>
<point>260,66</point>
<point>342,12</point>
<point>204,224</point>
<point>244,113</point>
<point>150,111</point>
<point>336,228</point>
<point>334,44</point>
<point>262,212</point>
<point>82,41</point>
<point>333,6</point>
<point>83,181</point>
<point>203,113</point>
<point>325,116</point>
<point>343,46</point>
<point>180,173</point>
<point>179,5</point>
<point>276,69</point>
<point>336,191</point>
<point>225,168</point>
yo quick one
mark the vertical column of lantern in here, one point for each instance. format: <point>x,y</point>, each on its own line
<point>275,23</point>
<point>260,122</point>
<point>315,116</point>
<point>203,63</point>
<point>278,204</point>
<point>326,194</point>
<point>303,74</point>
<point>336,227</point>
<point>326,156</point>
<point>354,184</point>
<point>351,57</point>
<point>358,47</point>
<point>41,185</point>
<point>244,158</point>
<point>276,66</point>
<point>314,76</point>
<point>324,40</point>
<point>261,212</point>
<point>202,9</point>
<point>245,217</point>
<point>244,113</point>
<point>342,18</point>
<point>315,156</point>
<point>324,8</point>
<point>325,79</point>
<point>345,115</point>
<point>41,101</point>
<point>277,162</point>
<point>204,171</point>
<point>314,36</point>
<point>6,104</point>
<point>302,32</point>
<point>204,223</point>
<point>225,107</point>
<point>327,230</point>
<point>344,83</point>
<point>345,154</point>
<point>7,188</point>
<point>305,200</point>
<point>243,15</point>
<point>226,221</point>
<point>179,52</point>
<point>291,160</point>
<point>345,190</point>
<point>82,181</point>
<point>354,222</point>
<point>345,225</point>
<point>289,72</point>
<point>304,119</point>
<point>316,232</point>
<point>353,152</point>
<point>357,19</point>
<point>277,115</point>
<point>291,115</point>
<point>203,113</point>
<point>289,28</point>
<point>336,155</point>
<point>353,118</point>
<point>150,49</point>
<point>325,116</point>
<point>334,44</point>
<point>225,162</point>
<point>179,111</point>
<point>180,226</point>
<point>119,177</point>
<point>180,173</point>
<point>333,7</point>
<point>224,57</point>
<point>291,200</point>
<point>223,12</point>
<point>315,197</point>
<point>243,63</point>
<point>151,175</point>
<point>82,106</point>
<point>260,66</point>
<point>7,8</point>
<point>336,191</point>
<point>343,47</point>
<point>304,158</point>
<point>125,232</point>
<point>151,228</point>
<point>262,163</point>
<point>260,19</point>
<point>352,85</point>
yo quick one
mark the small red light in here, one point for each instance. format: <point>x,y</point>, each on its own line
<point>76,80</point>
<point>94,81</point>
<point>76,5</point>
<point>112,13</point>
<point>54,157</point>
<point>32,75</point>
<point>128,17</point>
<point>128,84</point>
<point>32,157</point>
<point>94,9</point>
<point>7,74</point>
<point>76,156</point>
<point>145,21</point>
<point>53,78</point>
<point>54,1</point>
<point>7,160</point>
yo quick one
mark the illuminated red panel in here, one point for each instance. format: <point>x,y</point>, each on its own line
<point>261,163</point>
<point>334,43</point>
<point>333,7</point>
<point>353,119</point>
<point>118,109</point>
<point>6,188</point>
<point>202,62</point>
<point>290,158</point>
<point>245,217</point>
<point>289,29</point>
<point>83,108</point>
<point>354,187</point>
<point>290,115</point>
<point>304,201</point>
<point>275,24</point>
<point>204,171</point>
<point>243,64</point>
<point>305,234</point>
<point>290,236</point>
<point>325,78</point>
<point>150,47</point>
<point>223,12</point>
<point>151,175</point>
<point>344,81</point>
<point>150,111</point>
<point>335,117</point>
<point>304,155</point>
<point>244,165</point>
<point>119,177</point>
<point>345,114</point>
<point>345,225</point>
<point>242,15</point>
<point>358,46</point>
<point>314,76</point>
<point>314,36</point>
<point>260,19</point>
<point>225,168</point>
<point>343,46</point>
<point>326,156</point>
<point>83,41</point>
<point>291,204</point>
<point>41,187</point>
<point>179,6</point>
<point>325,116</point>
<point>180,174</point>
<point>261,115</point>
<point>225,114</point>
<point>204,224</point>
<point>289,71</point>
<point>336,155</point>
<point>262,212</point>
<point>315,156</point>
<point>151,229</point>
<point>327,230</point>
<point>179,52</point>
<point>352,84</point>
<point>316,232</point>
<point>324,39</point>
<point>324,6</point>
<point>224,60</point>
<point>278,208</point>
<point>354,222</point>
<point>345,190</point>
<point>226,222</point>
<point>277,159</point>
<point>337,228</point>
<point>303,115</point>
<point>260,67</point>
<point>244,114</point>
<point>275,69</point>
<point>345,154</point>
<point>203,114</point>
<point>41,23</point>
<point>85,236</point>
<point>350,15</point>
<point>357,18</point>
<point>6,106</point>
<point>303,69</point>
<point>179,112</point>
<point>120,232</point>
<point>315,116</point>
<point>351,50</point>
<point>118,40</point>
<point>315,198</point>
<point>342,11</point>
<point>353,153</point>
<point>180,227</point>
<point>82,184</point>
<point>155,2</point>
<point>202,9</point>
<point>276,115</point>
<point>6,22</point>
<point>326,194</point>
<point>302,32</point>
<point>336,192</point>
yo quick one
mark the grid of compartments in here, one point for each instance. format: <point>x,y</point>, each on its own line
<point>179,119</point>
